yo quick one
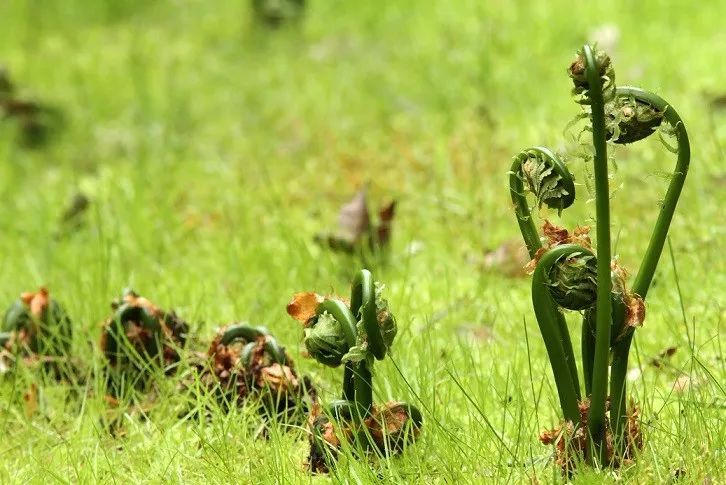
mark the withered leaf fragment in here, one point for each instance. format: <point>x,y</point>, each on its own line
<point>662,358</point>
<point>554,236</point>
<point>572,444</point>
<point>303,305</point>
<point>356,231</point>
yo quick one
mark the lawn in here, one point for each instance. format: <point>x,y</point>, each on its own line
<point>213,150</point>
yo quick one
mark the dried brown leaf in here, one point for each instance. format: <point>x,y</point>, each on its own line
<point>356,230</point>
<point>353,218</point>
<point>280,379</point>
<point>634,310</point>
<point>554,234</point>
<point>36,301</point>
<point>665,354</point>
<point>385,223</point>
<point>303,305</point>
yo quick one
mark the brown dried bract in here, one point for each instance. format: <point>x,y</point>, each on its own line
<point>555,236</point>
<point>37,301</point>
<point>390,427</point>
<point>634,304</point>
<point>323,439</point>
<point>572,443</point>
<point>634,310</point>
<point>280,379</point>
<point>303,305</point>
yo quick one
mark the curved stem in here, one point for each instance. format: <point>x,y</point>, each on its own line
<point>138,314</point>
<point>652,254</point>
<point>556,343</point>
<point>528,229</point>
<point>363,306</point>
<point>250,334</point>
<point>604,283</point>
<point>345,317</point>
<point>240,332</point>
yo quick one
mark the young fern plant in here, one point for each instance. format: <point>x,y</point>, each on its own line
<point>353,334</point>
<point>139,340</point>
<point>245,363</point>
<point>569,274</point>
<point>37,330</point>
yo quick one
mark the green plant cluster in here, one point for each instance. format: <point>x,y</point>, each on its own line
<point>569,275</point>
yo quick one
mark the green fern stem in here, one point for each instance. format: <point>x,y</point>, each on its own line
<point>596,418</point>
<point>531,237</point>
<point>246,333</point>
<point>555,337</point>
<point>655,247</point>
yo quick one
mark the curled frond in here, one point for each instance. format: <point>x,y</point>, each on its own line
<point>572,281</point>
<point>546,176</point>
<point>325,340</point>
<point>629,119</point>
<point>578,73</point>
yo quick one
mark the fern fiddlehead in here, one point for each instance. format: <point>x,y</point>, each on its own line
<point>354,336</point>
<point>644,277</point>
<point>569,276</point>
<point>539,171</point>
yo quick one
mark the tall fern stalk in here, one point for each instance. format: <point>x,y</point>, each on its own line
<point>569,274</point>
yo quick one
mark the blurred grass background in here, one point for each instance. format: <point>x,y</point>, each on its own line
<point>213,149</point>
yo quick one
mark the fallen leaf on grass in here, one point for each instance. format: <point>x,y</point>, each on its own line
<point>662,358</point>
<point>354,219</point>
<point>356,230</point>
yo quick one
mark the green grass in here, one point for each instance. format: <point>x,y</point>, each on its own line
<point>213,151</point>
